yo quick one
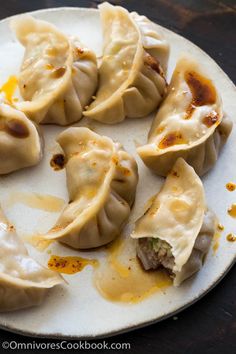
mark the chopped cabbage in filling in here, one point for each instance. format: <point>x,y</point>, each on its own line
<point>155,253</point>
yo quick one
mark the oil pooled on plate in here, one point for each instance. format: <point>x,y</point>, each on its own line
<point>121,278</point>
<point>44,202</point>
<point>70,265</point>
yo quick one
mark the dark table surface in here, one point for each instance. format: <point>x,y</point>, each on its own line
<point>209,326</point>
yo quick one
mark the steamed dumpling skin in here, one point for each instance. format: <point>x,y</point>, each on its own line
<point>58,75</point>
<point>190,123</point>
<point>132,73</point>
<point>200,248</point>
<point>101,181</point>
<point>23,282</point>
<point>179,217</point>
<point>20,140</point>
<point>153,42</point>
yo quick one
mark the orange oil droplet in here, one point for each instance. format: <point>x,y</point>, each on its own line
<point>70,265</point>
<point>9,88</point>
<point>231,186</point>
<point>232,211</point>
<point>231,237</point>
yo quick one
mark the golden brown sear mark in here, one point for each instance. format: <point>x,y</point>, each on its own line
<point>211,119</point>
<point>153,63</point>
<point>49,66</point>
<point>175,173</point>
<point>79,51</point>
<point>58,72</point>
<point>124,170</point>
<point>202,90</point>
<point>171,139</point>
<point>57,162</point>
<point>17,128</point>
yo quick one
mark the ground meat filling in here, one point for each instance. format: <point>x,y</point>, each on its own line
<point>155,253</point>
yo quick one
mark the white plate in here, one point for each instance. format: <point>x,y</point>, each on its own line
<point>78,310</point>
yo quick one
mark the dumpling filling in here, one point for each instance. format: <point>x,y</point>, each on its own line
<point>154,253</point>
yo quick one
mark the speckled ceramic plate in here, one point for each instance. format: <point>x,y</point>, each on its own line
<point>78,310</point>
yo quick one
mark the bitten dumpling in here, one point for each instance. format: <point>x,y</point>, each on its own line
<point>132,73</point>
<point>58,75</point>
<point>190,123</point>
<point>20,140</point>
<point>177,230</point>
<point>23,282</point>
<point>101,180</point>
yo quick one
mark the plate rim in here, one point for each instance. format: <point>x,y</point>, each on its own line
<point>61,336</point>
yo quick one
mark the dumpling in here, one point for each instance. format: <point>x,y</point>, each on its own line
<point>190,123</point>
<point>58,75</point>
<point>101,180</point>
<point>153,43</point>
<point>20,140</point>
<point>177,230</point>
<point>23,282</point>
<point>132,73</point>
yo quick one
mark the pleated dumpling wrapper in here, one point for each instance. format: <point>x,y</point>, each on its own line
<point>23,281</point>
<point>58,75</point>
<point>190,122</point>
<point>132,72</point>
<point>101,181</point>
<point>20,140</point>
<point>177,229</point>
